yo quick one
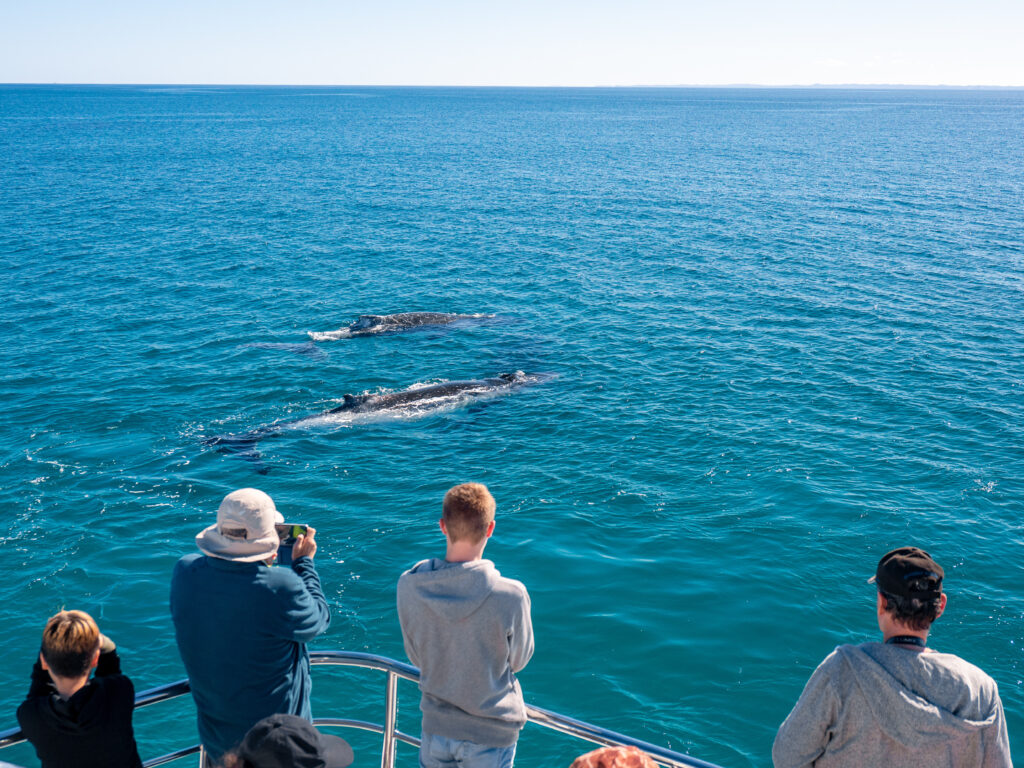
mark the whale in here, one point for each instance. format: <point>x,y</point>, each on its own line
<point>376,325</point>
<point>431,393</point>
<point>415,401</point>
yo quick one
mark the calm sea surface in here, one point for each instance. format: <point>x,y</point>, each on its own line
<point>787,328</point>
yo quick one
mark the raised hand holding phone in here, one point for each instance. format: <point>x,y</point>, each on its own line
<point>305,545</point>
<point>290,534</point>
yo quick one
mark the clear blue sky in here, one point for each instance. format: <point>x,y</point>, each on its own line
<point>527,42</point>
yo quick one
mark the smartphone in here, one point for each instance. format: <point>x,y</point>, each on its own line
<point>288,533</point>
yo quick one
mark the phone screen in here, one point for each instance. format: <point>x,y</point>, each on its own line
<point>287,533</point>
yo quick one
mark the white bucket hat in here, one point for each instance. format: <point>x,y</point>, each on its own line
<point>244,531</point>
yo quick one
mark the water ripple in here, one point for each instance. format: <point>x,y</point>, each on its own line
<point>786,327</point>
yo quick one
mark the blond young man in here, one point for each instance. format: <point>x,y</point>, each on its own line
<point>72,721</point>
<point>614,757</point>
<point>468,629</point>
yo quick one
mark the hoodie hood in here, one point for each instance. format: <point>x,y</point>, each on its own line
<point>82,713</point>
<point>921,698</point>
<point>453,591</point>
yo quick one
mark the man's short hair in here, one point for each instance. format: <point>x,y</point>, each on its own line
<point>467,511</point>
<point>911,583</point>
<point>912,611</point>
<point>70,640</point>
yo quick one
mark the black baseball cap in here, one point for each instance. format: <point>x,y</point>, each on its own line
<point>288,741</point>
<point>909,572</point>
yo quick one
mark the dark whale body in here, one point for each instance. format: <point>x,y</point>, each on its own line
<point>376,325</point>
<point>367,325</point>
<point>449,389</point>
<point>415,401</point>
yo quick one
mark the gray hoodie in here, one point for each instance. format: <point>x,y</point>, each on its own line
<point>885,705</point>
<point>468,630</point>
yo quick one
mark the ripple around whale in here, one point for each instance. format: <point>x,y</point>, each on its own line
<point>377,325</point>
<point>416,401</point>
<point>306,349</point>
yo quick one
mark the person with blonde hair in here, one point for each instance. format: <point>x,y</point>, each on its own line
<point>72,721</point>
<point>468,629</point>
<point>614,757</point>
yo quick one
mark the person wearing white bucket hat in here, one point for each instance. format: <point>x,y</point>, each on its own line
<point>242,625</point>
<point>244,531</point>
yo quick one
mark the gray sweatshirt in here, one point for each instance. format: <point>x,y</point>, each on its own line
<point>885,705</point>
<point>468,630</point>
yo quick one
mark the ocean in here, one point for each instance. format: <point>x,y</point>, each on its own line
<point>783,330</point>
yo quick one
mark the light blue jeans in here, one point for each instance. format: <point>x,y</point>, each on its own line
<point>440,752</point>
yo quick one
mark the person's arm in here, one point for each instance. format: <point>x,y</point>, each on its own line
<point>306,614</point>
<point>521,638</point>
<point>41,684</point>
<point>110,662</point>
<point>29,712</point>
<point>805,734</point>
<point>996,742</point>
<point>410,649</point>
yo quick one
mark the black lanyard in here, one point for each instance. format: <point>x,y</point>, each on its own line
<point>906,640</point>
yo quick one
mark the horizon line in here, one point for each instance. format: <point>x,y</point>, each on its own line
<point>880,86</point>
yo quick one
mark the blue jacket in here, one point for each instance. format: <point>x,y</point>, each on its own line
<point>242,630</point>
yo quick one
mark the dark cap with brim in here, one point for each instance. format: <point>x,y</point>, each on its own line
<point>909,572</point>
<point>288,741</point>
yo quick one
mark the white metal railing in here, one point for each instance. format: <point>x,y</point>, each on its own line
<point>388,729</point>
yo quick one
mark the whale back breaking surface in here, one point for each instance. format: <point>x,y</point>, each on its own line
<point>432,396</point>
<point>375,325</point>
<point>449,389</point>
<point>407,403</point>
<point>404,320</point>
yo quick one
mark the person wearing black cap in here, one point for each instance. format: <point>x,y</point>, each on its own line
<point>288,741</point>
<point>897,702</point>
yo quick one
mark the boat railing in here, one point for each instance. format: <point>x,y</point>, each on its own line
<point>395,670</point>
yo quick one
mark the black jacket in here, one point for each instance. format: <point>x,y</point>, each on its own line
<point>92,729</point>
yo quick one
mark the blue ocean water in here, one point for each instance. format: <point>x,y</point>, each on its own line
<point>786,332</point>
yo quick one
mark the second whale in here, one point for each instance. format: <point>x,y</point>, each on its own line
<point>375,325</point>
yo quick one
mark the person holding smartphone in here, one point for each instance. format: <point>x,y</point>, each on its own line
<point>242,625</point>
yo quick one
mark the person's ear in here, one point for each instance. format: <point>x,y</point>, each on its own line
<point>942,605</point>
<point>444,528</point>
<point>490,530</point>
<point>95,659</point>
<point>882,604</point>
<point>42,660</point>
